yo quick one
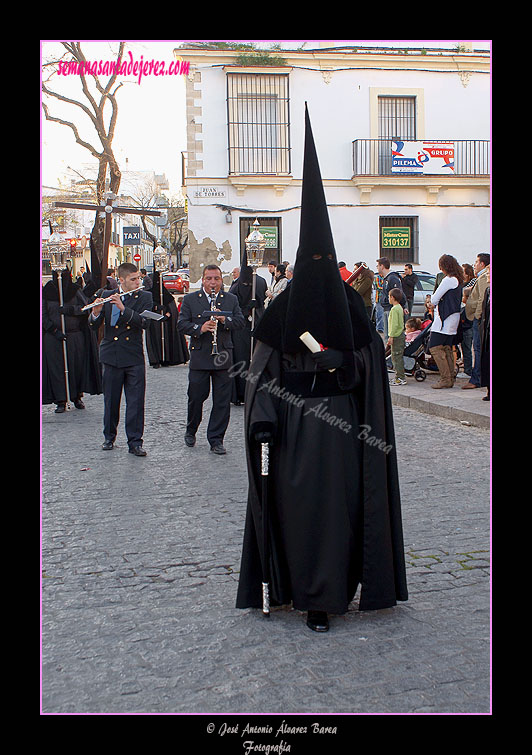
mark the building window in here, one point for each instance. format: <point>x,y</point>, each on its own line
<point>397,120</point>
<point>258,123</point>
<point>399,239</point>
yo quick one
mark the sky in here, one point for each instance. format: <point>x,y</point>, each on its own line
<point>151,125</point>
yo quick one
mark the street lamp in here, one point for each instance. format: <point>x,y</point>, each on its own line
<point>255,247</point>
<point>57,249</point>
<point>160,265</point>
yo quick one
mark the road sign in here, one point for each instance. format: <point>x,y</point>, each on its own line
<point>136,257</point>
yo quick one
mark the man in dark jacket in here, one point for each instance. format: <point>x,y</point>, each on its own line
<point>409,281</point>
<point>122,356</point>
<point>205,366</point>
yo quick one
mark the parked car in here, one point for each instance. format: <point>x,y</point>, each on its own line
<point>184,272</point>
<point>424,286</point>
<point>176,283</point>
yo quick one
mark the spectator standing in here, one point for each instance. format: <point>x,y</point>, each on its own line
<point>409,282</point>
<point>379,312</point>
<point>484,333</point>
<point>364,285</point>
<point>473,312</point>
<point>281,281</point>
<point>445,303</point>
<point>344,272</point>
<point>396,336</point>
<point>391,279</point>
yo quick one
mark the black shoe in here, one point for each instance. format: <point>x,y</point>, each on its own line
<point>60,408</point>
<point>318,621</point>
<point>138,451</point>
<point>217,448</point>
<point>190,439</point>
<point>78,403</point>
<point>108,445</point>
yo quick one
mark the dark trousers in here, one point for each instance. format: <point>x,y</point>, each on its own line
<point>199,383</point>
<point>133,382</point>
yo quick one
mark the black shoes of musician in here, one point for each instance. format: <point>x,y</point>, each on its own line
<point>217,448</point>
<point>61,407</point>
<point>190,440</point>
<point>137,451</point>
<point>107,445</point>
<point>318,621</point>
<point>78,403</point>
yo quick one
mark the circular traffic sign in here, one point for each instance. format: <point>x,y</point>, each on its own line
<point>136,257</point>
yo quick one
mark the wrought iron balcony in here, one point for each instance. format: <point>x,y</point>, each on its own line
<point>379,157</point>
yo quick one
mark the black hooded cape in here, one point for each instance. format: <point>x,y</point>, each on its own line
<point>334,501</point>
<point>175,345</point>
<point>333,493</point>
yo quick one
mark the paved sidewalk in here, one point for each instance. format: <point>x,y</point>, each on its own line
<point>141,556</point>
<point>464,406</point>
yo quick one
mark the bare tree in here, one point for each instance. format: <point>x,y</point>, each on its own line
<point>93,106</point>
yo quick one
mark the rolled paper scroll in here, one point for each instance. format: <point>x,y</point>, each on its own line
<point>311,343</point>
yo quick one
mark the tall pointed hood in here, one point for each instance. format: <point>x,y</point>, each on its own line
<point>317,300</point>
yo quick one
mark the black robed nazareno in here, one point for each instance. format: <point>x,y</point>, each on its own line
<point>333,491</point>
<point>175,345</point>
<point>84,372</point>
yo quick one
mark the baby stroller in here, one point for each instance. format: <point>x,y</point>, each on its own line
<point>415,356</point>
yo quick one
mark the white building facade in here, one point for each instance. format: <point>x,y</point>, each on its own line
<point>403,140</point>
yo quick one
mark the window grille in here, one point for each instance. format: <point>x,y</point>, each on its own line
<point>399,255</point>
<point>397,120</point>
<point>258,123</point>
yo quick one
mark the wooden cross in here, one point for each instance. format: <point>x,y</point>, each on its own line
<point>108,209</point>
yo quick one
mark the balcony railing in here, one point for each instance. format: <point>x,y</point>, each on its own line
<point>373,157</point>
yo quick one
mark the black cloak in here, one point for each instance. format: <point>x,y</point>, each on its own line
<point>242,289</point>
<point>175,345</point>
<point>333,489</point>
<point>84,370</point>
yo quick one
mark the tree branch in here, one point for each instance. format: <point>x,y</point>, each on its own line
<point>80,141</point>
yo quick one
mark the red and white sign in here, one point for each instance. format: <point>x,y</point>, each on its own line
<point>136,257</point>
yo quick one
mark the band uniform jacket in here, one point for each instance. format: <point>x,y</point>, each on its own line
<point>191,319</point>
<point>121,345</point>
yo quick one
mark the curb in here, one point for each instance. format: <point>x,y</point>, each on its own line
<point>440,410</point>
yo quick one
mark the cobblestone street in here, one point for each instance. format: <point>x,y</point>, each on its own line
<point>140,561</point>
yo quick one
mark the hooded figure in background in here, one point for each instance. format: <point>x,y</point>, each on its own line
<point>334,514</point>
<point>242,289</point>
<point>84,371</point>
<point>175,349</point>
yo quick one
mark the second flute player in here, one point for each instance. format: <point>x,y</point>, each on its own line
<point>207,367</point>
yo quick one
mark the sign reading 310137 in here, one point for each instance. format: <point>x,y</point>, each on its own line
<point>394,237</point>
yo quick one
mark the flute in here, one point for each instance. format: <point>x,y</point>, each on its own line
<point>99,303</point>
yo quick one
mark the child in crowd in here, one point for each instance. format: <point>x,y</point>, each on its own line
<point>412,329</point>
<point>396,336</point>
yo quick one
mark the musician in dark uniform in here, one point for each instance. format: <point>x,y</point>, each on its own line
<point>122,356</point>
<point>206,367</point>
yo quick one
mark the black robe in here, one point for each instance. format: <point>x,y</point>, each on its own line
<point>84,370</point>
<point>242,338</point>
<point>333,489</point>
<point>175,345</point>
